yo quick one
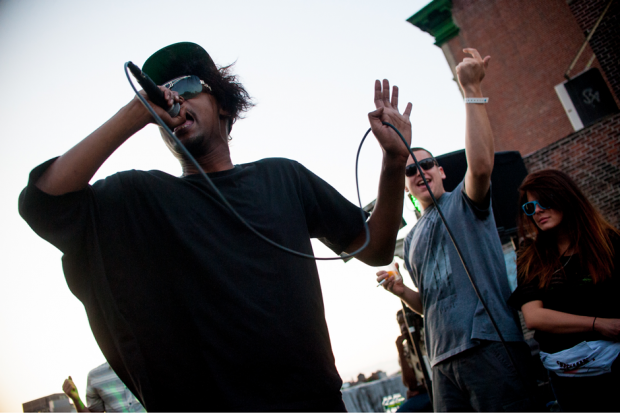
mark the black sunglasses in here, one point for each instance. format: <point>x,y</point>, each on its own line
<point>425,164</point>
<point>187,87</point>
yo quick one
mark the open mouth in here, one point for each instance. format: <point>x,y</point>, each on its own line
<point>189,121</point>
<point>420,183</point>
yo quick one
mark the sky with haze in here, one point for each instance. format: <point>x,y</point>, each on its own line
<point>310,67</point>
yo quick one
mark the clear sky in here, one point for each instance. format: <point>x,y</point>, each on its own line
<point>310,67</point>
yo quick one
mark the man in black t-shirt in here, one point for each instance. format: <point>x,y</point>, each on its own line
<point>178,292</point>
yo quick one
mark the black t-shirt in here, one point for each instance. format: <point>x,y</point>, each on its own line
<point>192,310</point>
<point>572,291</point>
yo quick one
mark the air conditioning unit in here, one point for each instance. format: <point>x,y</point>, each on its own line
<point>586,98</point>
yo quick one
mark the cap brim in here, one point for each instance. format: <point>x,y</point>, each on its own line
<point>176,60</point>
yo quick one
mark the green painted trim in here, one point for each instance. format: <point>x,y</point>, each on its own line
<point>446,33</point>
<point>436,19</point>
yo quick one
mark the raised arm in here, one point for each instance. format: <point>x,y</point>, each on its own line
<point>385,219</point>
<point>71,390</point>
<point>73,170</point>
<point>479,145</point>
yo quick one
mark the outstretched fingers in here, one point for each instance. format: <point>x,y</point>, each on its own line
<point>407,114</point>
<point>386,93</point>
<point>378,95</point>
<point>383,101</point>
<point>486,61</point>
<point>473,52</point>
<point>395,97</point>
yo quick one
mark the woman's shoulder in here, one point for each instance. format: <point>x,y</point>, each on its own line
<point>526,291</point>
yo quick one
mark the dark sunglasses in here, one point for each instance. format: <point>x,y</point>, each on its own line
<point>425,164</point>
<point>530,207</point>
<point>187,87</point>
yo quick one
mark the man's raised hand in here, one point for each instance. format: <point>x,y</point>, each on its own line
<point>69,388</point>
<point>471,70</point>
<point>387,111</point>
<point>171,98</point>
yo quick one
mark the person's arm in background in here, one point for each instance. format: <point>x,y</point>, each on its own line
<point>396,287</point>
<point>386,216</point>
<point>543,319</point>
<point>71,390</point>
<point>408,375</point>
<point>479,144</point>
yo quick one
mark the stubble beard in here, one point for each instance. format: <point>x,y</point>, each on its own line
<point>194,145</point>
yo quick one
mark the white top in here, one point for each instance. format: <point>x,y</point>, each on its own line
<point>588,358</point>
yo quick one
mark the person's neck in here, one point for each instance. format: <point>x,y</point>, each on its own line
<point>426,205</point>
<point>212,161</point>
<point>565,246</point>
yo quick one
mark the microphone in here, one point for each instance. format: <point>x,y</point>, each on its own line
<point>152,91</point>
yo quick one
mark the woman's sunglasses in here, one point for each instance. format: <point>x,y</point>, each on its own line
<point>187,87</point>
<point>530,207</point>
<point>425,164</point>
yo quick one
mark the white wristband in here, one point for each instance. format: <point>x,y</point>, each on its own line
<point>476,100</point>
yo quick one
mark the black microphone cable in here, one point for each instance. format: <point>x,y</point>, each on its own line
<point>230,207</point>
<point>458,251</point>
<point>300,254</point>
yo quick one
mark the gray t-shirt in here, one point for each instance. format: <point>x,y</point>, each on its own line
<point>454,318</point>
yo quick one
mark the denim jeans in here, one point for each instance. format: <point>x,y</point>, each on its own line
<point>483,379</point>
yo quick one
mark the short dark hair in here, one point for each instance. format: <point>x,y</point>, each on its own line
<point>417,148</point>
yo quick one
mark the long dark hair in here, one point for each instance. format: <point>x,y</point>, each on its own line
<point>588,231</point>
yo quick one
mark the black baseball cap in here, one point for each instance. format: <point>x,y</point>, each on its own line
<point>179,59</point>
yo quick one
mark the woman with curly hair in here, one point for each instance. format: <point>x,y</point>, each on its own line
<point>569,282</point>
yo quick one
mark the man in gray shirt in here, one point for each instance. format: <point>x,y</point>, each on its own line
<point>470,367</point>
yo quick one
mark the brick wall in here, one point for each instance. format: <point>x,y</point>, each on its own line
<point>605,42</point>
<point>531,44</point>
<point>592,158</point>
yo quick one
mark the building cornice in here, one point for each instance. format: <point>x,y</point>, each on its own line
<point>436,19</point>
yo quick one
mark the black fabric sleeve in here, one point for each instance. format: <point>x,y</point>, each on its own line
<point>330,216</point>
<point>524,293</point>
<point>65,221</point>
<point>60,220</point>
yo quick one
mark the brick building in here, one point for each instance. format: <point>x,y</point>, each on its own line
<point>532,45</point>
